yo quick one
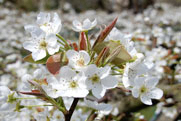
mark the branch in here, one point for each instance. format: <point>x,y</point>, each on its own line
<point>68,115</point>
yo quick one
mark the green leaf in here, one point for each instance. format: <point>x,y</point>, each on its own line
<point>29,59</point>
<point>123,55</point>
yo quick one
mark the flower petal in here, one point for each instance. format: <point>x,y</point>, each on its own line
<point>43,18</point>
<point>31,46</point>
<point>94,23</point>
<point>155,93</point>
<point>85,56</point>
<point>39,54</point>
<point>98,91</point>
<point>57,25</point>
<point>67,73</point>
<point>87,24</point>
<point>109,82</point>
<point>151,82</point>
<point>72,54</point>
<point>139,81</point>
<point>146,99</point>
<point>135,92</point>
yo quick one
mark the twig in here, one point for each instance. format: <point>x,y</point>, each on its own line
<point>68,115</point>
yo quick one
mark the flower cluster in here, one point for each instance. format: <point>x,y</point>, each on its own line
<point>82,70</point>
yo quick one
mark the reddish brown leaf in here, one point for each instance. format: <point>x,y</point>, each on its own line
<point>102,55</point>
<point>82,41</point>
<point>74,45</point>
<point>35,93</point>
<point>105,32</point>
<point>53,63</point>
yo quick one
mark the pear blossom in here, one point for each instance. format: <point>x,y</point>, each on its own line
<point>7,99</point>
<point>78,60</point>
<point>136,68</point>
<point>57,116</point>
<point>67,84</point>
<point>85,26</point>
<point>40,113</point>
<point>39,76</point>
<point>99,79</point>
<point>145,88</point>
<point>41,44</point>
<point>49,23</point>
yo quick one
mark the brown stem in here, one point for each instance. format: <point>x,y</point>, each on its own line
<point>92,116</point>
<point>68,115</point>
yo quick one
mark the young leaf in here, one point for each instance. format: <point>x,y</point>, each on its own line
<point>82,41</point>
<point>102,55</point>
<point>75,46</point>
<point>53,63</point>
<point>123,55</point>
<point>105,32</point>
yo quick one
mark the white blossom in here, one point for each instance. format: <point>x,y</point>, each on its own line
<point>67,84</point>
<point>41,44</point>
<point>57,116</point>
<point>145,88</point>
<point>7,102</point>
<point>85,26</point>
<point>78,60</point>
<point>49,23</point>
<point>99,79</point>
<point>138,67</point>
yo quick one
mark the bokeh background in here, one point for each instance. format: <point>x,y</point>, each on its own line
<point>154,24</point>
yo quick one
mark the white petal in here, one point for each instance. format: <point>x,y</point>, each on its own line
<point>94,23</point>
<point>51,39</point>
<point>7,107</point>
<point>91,70</point>
<point>4,91</point>
<point>50,91</point>
<point>26,77</point>
<point>38,34</point>
<point>135,92</point>
<point>139,81</point>
<point>104,71</point>
<point>30,28</point>
<point>38,55</point>
<point>43,18</point>
<point>151,82</point>
<point>31,46</point>
<point>109,82</point>
<point>38,74</point>
<point>77,26</point>
<point>155,93</point>
<point>98,91</point>
<point>87,24</point>
<point>145,99</point>
<point>85,56</point>
<point>72,54</point>
<point>57,25</point>
<point>67,72</point>
<point>53,50</point>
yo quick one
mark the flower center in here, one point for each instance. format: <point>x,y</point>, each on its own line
<point>143,89</point>
<point>73,84</point>
<point>80,62</point>
<point>95,78</point>
<point>58,117</point>
<point>43,44</point>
